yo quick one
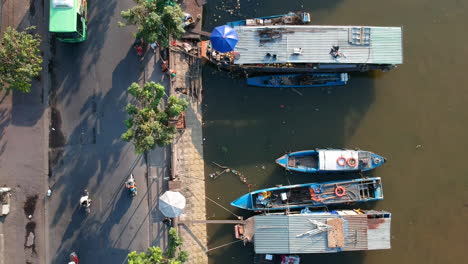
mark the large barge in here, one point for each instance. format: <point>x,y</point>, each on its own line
<point>301,47</point>
<point>317,232</point>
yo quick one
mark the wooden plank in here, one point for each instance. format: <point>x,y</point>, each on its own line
<point>335,234</point>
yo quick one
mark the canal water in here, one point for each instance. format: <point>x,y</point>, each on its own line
<point>416,116</point>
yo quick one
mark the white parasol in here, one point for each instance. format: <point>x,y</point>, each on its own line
<point>171,204</point>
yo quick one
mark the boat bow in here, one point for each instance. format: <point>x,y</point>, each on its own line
<point>244,202</point>
<point>282,161</point>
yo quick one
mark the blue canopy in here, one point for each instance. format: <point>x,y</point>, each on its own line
<point>224,38</point>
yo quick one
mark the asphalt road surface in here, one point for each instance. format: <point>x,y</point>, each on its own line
<point>89,96</point>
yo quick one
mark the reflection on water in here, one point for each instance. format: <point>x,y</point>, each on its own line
<point>415,116</point>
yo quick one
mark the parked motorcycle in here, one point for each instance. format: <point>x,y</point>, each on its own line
<point>138,46</point>
<point>85,202</point>
<point>131,186</point>
<point>73,258</point>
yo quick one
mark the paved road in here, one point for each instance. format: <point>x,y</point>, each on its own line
<point>90,81</point>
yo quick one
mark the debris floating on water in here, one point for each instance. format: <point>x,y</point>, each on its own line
<point>215,175</point>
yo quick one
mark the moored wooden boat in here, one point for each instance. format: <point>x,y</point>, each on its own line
<point>330,160</point>
<point>299,80</point>
<point>312,195</point>
<point>290,18</point>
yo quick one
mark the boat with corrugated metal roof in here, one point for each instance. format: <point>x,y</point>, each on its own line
<point>312,195</point>
<point>301,80</point>
<point>330,160</point>
<point>292,48</point>
<point>317,232</point>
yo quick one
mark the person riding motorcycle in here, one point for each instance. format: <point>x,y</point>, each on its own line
<point>131,185</point>
<point>73,258</point>
<point>85,202</point>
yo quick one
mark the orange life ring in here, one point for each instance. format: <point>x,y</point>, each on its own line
<point>341,161</point>
<point>352,162</point>
<point>340,191</point>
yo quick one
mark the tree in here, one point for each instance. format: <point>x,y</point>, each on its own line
<point>154,255</point>
<point>148,126</point>
<point>20,59</point>
<point>157,20</point>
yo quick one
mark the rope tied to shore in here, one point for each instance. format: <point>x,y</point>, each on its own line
<point>238,217</point>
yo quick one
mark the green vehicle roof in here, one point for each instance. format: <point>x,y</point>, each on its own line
<point>63,19</point>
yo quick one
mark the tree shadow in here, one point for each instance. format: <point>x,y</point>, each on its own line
<point>27,108</point>
<point>71,61</point>
<point>94,146</point>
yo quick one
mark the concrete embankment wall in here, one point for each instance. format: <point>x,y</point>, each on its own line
<point>188,164</point>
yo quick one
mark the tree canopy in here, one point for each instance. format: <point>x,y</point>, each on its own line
<point>154,255</point>
<point>20,59</point>
<point>157,20</point>
<point>149,126</point>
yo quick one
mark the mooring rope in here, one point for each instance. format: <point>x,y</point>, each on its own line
<point>227,244</point>
<point>223,207</point>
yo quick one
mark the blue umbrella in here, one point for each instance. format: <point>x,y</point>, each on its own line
<point>224,38</point>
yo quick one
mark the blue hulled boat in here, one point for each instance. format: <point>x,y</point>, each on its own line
<point>290,18</point>
<point>312,195</point>
<point>299,80</point>
<point>330,160</point>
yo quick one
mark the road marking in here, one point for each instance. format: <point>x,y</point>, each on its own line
<point>2,248</point>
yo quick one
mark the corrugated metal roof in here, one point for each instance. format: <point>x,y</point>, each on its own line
<point>286,234</point>
<point>384,44</point>
<point>355,232</point>
<point>300,243</point>
<point>271,234</point>
<point>379,233</point>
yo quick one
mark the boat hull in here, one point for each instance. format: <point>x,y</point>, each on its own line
<point>330,160</point>
<point>312,195</point>
<point>304,80</point>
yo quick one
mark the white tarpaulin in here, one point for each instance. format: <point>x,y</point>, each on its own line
<point>328,159</point>
<point>171,204</point>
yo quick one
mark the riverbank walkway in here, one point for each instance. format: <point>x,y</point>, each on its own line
<point>188,164</point>
<point>187,151</point>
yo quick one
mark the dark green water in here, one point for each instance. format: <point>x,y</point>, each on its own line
<point>416,116</point>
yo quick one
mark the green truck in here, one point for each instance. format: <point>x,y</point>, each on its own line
<point>68,20</point>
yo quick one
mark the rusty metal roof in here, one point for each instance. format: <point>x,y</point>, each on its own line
<point>298,233</point>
